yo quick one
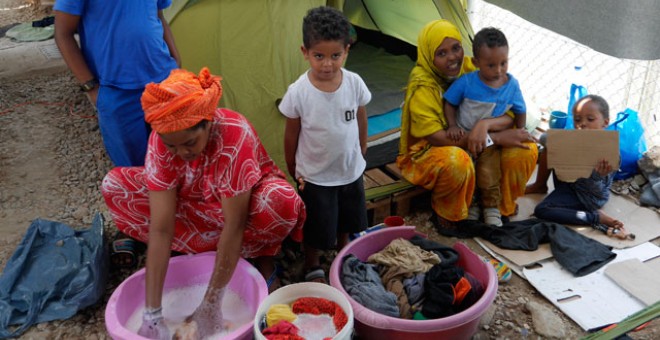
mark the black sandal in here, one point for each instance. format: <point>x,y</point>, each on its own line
<point>123,253</point>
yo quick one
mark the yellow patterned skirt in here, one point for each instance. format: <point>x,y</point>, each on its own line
<point>448,172</point>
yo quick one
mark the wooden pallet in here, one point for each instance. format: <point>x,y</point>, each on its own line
<point>388,193</point>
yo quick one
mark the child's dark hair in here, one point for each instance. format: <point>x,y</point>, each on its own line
<point>603,107</point>
<point>489,36</point>
<point>323,24</point>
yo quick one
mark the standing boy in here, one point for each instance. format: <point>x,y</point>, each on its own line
<point>486,93</point>
<point>325,138</point>
<point>124,45</point>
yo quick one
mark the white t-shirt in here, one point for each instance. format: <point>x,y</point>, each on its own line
<point>328,150</point>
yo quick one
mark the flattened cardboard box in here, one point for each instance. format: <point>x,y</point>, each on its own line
<point>573,154</point>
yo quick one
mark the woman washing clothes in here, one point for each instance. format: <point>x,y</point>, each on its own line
<point>429,158</point>
<point>207,184</point>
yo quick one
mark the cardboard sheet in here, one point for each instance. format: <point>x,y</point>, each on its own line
<point>514,267</point>
<point>520,257</point>
<point>641,280</point>
<point>594,300</point>
<point>574,153</point>
<point>642,222</point>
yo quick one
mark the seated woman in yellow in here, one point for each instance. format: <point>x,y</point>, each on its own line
<point>429,158</point>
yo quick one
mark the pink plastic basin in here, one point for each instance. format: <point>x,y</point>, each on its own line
<point>184,271</point>
<point>373,325</point>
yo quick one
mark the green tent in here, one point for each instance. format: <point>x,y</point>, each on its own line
<point>255,45</point>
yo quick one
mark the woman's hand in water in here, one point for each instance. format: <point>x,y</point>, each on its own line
<point>206,320</point>
<point>153,325</point>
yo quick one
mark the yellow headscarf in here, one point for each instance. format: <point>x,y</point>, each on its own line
<point>181,101</point>
<point>425,74</point>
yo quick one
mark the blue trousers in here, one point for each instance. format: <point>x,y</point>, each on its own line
<point>563,206</point>
<point>121,120</point>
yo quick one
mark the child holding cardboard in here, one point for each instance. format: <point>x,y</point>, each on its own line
<point>580,202</point>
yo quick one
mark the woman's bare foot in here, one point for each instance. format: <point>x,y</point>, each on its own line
<point>536,188</point>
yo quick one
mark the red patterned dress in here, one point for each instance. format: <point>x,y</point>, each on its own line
<point>233,162</point>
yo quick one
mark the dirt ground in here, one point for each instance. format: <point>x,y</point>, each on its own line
<point>51,165</point>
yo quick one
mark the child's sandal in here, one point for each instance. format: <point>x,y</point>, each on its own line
<point>316,274</point>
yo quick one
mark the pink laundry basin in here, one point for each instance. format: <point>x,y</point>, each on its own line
<point>184,271</point>
<point>372,325</point>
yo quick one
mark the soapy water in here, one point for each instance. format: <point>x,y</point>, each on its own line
<point>315,327</point>
<point>181,302</point>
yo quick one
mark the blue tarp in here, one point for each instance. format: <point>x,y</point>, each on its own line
<point>384,122</point>
<point>54,272</point>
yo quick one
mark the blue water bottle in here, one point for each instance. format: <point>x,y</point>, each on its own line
<point>366,231</point>
<point>389,221</point>
<point>577,91</point>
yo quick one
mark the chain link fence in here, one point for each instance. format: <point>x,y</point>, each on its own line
<point>544,63</point>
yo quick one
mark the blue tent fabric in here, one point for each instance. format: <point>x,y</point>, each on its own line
<point>54,272</point>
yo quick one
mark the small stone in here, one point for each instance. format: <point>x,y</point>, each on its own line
<point>487,318</point>
<point>480,335</point>
<point>80,213</point>
<point>634,186</point>
<point>546,323</point>
<point>639,180</point>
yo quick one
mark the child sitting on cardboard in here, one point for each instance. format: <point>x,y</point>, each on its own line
<point>580,202</point>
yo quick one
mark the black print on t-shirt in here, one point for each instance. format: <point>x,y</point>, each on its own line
<point>349,115</point>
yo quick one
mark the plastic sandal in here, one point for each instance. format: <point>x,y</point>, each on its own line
<point>123,252</point>
<point>503,271</point>
<point>316,274</point>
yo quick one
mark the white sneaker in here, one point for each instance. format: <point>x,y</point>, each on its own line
<point>474,212</point>
<point>492,216</point>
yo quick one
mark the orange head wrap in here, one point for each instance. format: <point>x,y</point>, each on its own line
<point>181,101</point>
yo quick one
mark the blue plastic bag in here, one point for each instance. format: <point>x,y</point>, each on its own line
<point>54,272</point>
<point>577,92</point>
<point>631,142</point>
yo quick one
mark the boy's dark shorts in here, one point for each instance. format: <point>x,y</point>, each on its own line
<point>331,211</point>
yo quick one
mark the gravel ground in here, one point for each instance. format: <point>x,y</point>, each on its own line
<point>51,165</point>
